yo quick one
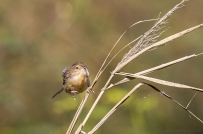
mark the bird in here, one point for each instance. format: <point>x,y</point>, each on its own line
<point>75,79</point>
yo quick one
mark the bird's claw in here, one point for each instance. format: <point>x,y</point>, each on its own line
<point>90,90</point>
<point>73,93</point>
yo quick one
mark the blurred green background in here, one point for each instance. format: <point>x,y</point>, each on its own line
<point>38,39</point>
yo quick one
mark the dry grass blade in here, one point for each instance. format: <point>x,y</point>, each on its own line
<point>162,66</point>
<point>167,64</point>
<point>79,110</point>
<point>169,97</point>
<point>115,108</point>
<point>148,39</point>
<point>155,45</point>
<point>127,96</point>
<point>104,67</point>
<point>191,99</point>
<point>162,82</point>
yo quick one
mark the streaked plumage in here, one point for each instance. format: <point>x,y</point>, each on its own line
<point>75,79</point>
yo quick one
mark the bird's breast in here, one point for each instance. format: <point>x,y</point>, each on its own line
<point>77,83</point>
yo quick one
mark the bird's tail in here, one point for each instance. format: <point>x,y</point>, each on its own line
<point>58,92</point>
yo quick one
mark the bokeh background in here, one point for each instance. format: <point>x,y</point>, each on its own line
<point>38,39</point>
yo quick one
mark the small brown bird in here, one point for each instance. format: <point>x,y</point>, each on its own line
<point>75,79</point>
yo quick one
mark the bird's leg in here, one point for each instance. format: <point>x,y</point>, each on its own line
<point>73,93</point>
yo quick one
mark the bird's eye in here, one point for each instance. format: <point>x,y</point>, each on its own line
<point>76,67</point>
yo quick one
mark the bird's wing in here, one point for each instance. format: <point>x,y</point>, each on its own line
<point>65,75</point>
<point>64,72</point>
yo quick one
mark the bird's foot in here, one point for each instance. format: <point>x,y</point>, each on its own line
<point>73,93</point>
<point>89,90</point>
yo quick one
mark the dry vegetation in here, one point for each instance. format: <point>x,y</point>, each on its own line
<point>39,38</point>
<point>146,42</point>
